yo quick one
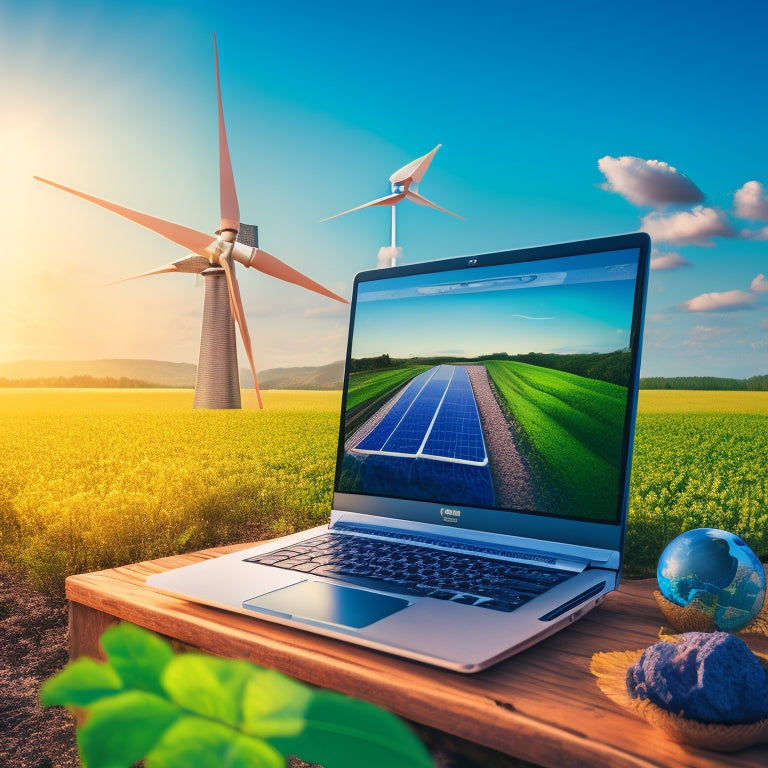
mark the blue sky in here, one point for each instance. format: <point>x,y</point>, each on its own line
<point>558,121</point>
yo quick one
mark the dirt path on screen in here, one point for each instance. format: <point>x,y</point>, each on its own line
<point>512,481</point>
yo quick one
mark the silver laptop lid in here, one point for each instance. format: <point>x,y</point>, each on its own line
<point>497,392</point>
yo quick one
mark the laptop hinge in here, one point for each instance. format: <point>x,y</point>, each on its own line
<point>510,548</point>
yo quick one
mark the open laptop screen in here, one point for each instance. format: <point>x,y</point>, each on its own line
<point>502,382</point>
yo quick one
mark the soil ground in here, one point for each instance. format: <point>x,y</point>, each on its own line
<point>34,646</point>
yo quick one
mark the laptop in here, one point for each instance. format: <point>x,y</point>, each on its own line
<point>483,464</point>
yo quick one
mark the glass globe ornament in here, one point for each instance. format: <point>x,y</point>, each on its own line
<point>714,575</point>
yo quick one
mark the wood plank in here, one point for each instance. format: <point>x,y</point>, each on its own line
<point>542,706</point>
<point>86,626</point>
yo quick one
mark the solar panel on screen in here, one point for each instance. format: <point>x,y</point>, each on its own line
<point>456,433</point>
<point>428,437</point>
<point>435,417</point>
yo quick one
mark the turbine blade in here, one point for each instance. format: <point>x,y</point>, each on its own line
<point>230,210</point>
<point>156,271</point>
<point>270,265</point>
<point>236,304</point>
<point>195,241</point>
<point>415,197</point>
<point>192,264</point>
<point>392,199</point>
<point>415,170</point>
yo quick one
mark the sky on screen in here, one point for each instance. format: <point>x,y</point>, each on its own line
<point>558,121</point>
<point>506,308</point>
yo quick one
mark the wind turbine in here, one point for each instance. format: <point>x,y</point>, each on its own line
<point>405,185</point>
<point>217,384</point>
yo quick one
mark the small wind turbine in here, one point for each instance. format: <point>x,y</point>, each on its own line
<point>405,185</point>
<point>217,384</point>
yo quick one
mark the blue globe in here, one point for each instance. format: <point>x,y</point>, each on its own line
<point>715,573</point>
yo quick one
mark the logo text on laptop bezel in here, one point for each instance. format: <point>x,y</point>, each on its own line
<point>450,515</point>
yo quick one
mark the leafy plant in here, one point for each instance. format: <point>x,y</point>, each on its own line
<point>145,702</point>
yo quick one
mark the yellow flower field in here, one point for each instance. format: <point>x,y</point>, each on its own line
<point>696,401</point>
<point>94,478</point>
<point>701,460</point>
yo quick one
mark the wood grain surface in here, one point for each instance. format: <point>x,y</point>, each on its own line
<point>541,706</point>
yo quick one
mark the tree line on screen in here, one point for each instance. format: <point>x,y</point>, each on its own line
<point>611,367</point>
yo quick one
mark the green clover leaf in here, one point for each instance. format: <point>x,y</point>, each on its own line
<point>274,705</point>
<point>122,729</point>
<point>342,732</point>
<point>195,741</point>
<point>139,657</point>
<point>201,710</point>
<point>81,683</point>
<point>208,686</point>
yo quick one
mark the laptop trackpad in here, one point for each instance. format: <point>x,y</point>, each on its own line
<point>319,601</point>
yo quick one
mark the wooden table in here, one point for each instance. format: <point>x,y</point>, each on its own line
<point>541,706</point>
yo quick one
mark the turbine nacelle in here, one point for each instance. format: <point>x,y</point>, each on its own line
<point>404,185</point>
<point>223,246</point>
<point>217,248</point>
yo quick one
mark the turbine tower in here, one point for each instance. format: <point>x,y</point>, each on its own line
<point>218,381</point>
<point>404,186</point>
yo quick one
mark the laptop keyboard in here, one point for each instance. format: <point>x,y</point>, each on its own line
<point>409,569</point>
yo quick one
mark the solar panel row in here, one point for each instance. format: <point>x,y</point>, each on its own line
<point>376,439</point>
<point>435,417</point>
<point>417,478</point>
<point>456,432</point>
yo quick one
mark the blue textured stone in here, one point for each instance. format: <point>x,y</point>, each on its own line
<point>711,677</point>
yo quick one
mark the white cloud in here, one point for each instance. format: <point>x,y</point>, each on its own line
<point>702,338</point>
<point>751,201</point>
<point>764,324</point>
<point>726,301</point>
<point>755,234</point>
<point>669,261</point>
<point>688,227</point>
<point>389,254</point>
<point>759,284</point>
<point>703,332</point>
<point>648,182</point>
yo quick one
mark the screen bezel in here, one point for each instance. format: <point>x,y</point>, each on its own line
<point>526,523</point>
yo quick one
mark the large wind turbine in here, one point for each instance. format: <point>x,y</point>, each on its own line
<point>217,384</point>
<point>405,186</point>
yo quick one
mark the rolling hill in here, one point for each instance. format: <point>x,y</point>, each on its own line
<point>162,373</point>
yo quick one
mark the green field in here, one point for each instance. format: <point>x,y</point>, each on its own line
<point>369,385</point>
<point>571,433</point>
<point>93,478</point>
